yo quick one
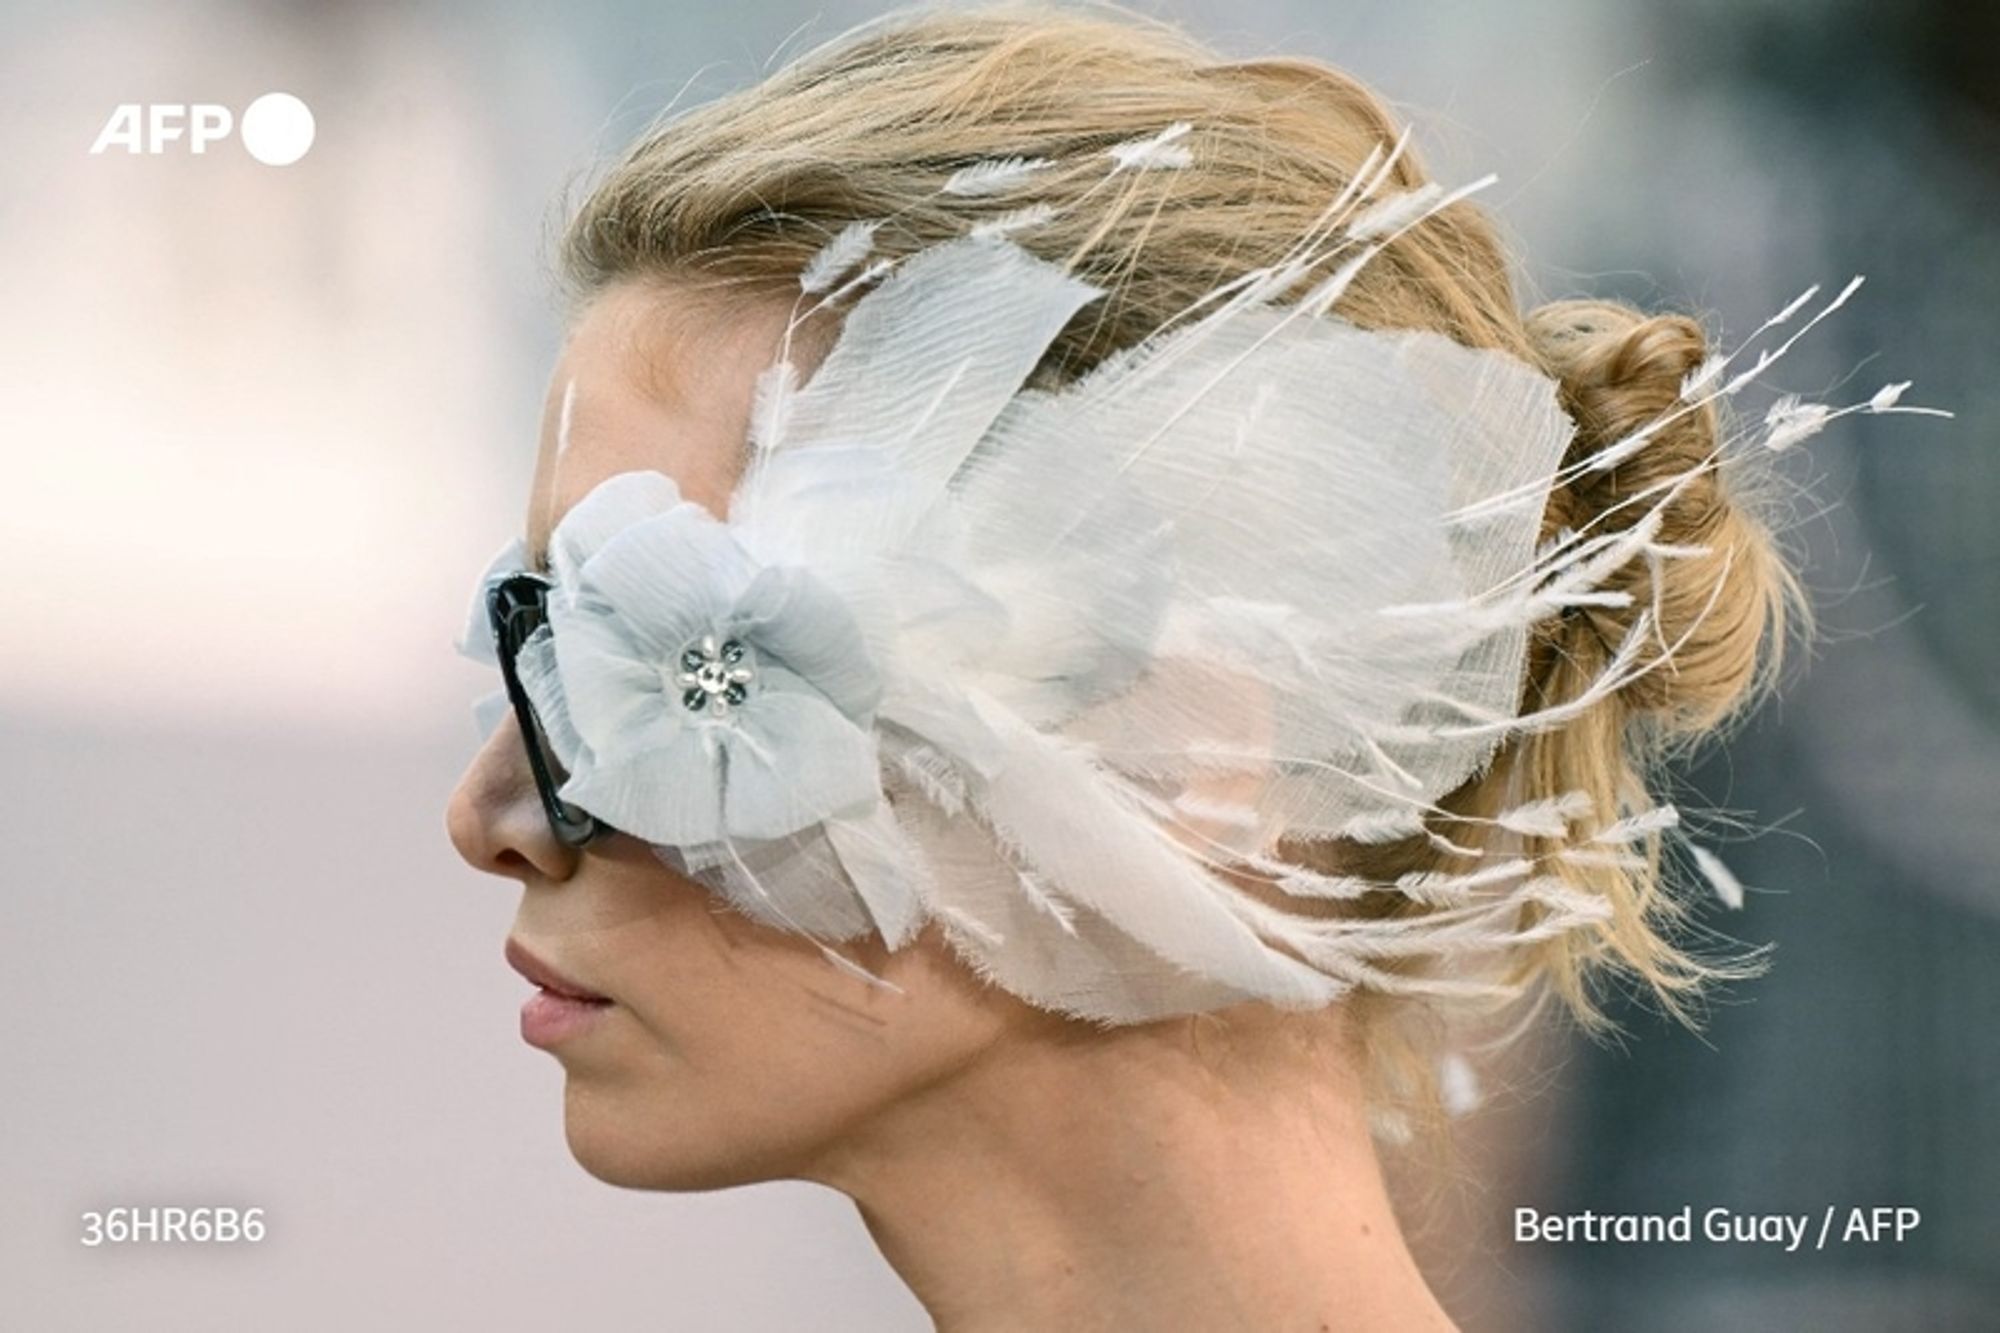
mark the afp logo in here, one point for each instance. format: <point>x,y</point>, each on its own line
<point>276,129</point>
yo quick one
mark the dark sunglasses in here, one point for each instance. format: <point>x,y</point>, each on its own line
<point>517,606</point>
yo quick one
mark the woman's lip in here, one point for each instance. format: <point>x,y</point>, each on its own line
<point>541,974</point>
<point>560,1008</point>
<point>548,1018</point>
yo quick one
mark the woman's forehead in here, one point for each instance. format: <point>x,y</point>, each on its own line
<point>653,377</point>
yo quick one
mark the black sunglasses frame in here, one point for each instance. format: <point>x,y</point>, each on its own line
<point>517,606</point>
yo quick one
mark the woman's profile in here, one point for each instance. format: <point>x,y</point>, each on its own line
<point>1071,641</point>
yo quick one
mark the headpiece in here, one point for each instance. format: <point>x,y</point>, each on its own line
<point>1059,668</point>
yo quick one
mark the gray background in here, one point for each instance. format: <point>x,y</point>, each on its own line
<point>261,428</point>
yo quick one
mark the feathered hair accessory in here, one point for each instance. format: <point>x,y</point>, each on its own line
<point>1058,670</point>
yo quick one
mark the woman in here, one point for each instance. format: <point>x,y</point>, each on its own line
<point>1069,641</point>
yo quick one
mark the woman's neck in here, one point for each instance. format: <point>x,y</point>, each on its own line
<point>1184,1175</point>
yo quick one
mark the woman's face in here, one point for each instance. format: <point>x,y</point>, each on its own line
<point>729,1052</point>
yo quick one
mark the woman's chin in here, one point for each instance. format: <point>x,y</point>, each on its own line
<point>641,1144</point>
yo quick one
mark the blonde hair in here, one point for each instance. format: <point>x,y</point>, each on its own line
<point>743,191</point>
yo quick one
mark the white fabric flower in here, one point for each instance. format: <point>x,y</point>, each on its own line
<point>692,694</point>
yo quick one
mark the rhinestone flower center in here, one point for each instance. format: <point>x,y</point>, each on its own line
<point>715,675</point>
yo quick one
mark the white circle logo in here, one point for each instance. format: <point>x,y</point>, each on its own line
<point>277,129</point>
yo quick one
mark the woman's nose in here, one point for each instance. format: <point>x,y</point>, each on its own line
<point>495,816</point>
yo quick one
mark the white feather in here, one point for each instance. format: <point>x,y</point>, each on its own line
<point>1018,219</point>
<point>1766,358</point>
<point>1394,212</point>
<point>1045,899</point>
<point>1393,216</point>
<point>750,889</point>
<point>1793,306</point>
<point>1559,600</point>
<point>1384,826</point>
<point>933,774</point>
<point>1390,1126</point>
<point>1888,396</point>
<point>885,870</point>
<point>1450,848</point>
<point>1052,804</point>
<point>1155,152</point>
<point>970,925</point>
<point>1720,878</point>
<point>1436,887</point>
<point>1459,1093</point>
<point>994,176</point>
<point>1634,827</point>
<point>1302,883</point>
<point>1546,818</point>
<point>565,416</point>
<point>849,246</point>
<point>771,404</point>
<point>1599,859</point>
<point>870,272</point>
<point>1231,814</point>
<point>924,364</point>
<point>1703,375</point>
<point>1323,297</point>
<point>1790,421</point>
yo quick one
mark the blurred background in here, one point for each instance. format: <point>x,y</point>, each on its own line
<point>262,427</point>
